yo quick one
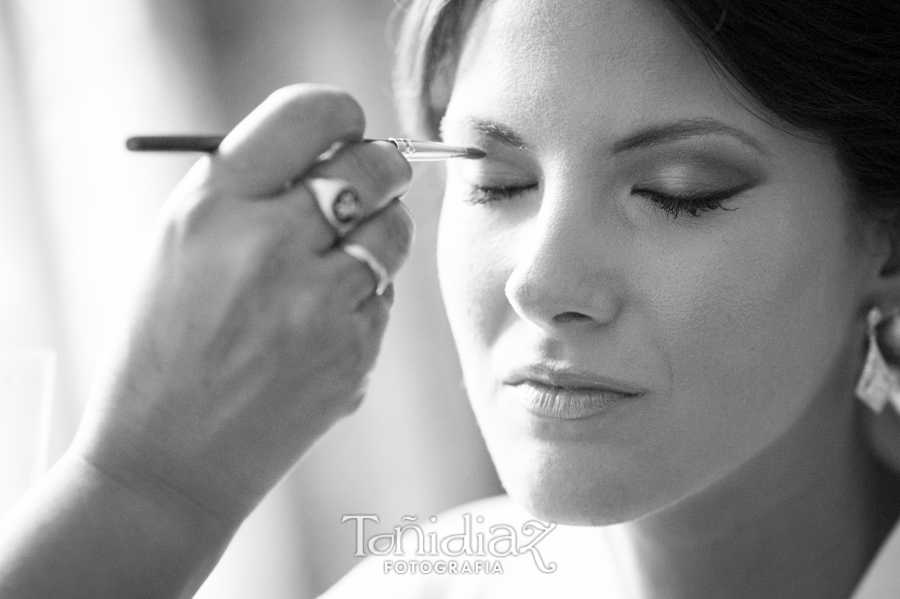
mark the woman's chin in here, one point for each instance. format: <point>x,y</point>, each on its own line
<point>574,499</point>
<point>583,471</point>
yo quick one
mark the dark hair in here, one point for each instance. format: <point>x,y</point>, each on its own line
<point>828,67</point>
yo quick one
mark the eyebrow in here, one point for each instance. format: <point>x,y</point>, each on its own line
<point>684,129</point>
<point>494,130</point>
<point>645,138</point>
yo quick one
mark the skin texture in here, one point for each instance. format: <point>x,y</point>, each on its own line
<point>737,327</point>
<point>252,336</point>
<point>741,328</point>
<point>245,281</point>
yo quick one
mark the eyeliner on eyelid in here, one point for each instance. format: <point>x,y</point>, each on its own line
<point>691,203</point>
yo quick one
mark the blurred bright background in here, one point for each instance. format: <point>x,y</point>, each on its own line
<point>76,210</point>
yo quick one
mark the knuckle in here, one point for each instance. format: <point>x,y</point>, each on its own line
<point>399,170</point>
<point>399,227</point>
<point>192,216</point>
<point>379,174</point>
<point>329,106</point>
<point>388,296</point>
<point>188,207</point>
<point>355,402</point>
<point>353,276</point>
<point>403,177</point>
<point>337,109</point>
<point>286,94</point>
<point>384,171</point>
<point>376,313</point>
<point>355,354</point>
<point>407,219</point>
<point>345,343</point>
<point>353,357</point>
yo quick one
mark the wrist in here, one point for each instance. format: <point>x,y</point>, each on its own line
<point>82,532</point>
<point>142,475</point>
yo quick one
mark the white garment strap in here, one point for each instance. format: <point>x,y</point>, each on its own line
<point>882,579</point>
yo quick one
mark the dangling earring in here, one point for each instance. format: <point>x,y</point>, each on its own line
<point>880,382</point>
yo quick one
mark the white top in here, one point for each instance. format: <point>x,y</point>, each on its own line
<point>882,579</point>
<point>587,564</point>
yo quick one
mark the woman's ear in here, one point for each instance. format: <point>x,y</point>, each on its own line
<point>881,241</point>
<point>891,237</point>
<point>885,245</point>
<point>883,429</point>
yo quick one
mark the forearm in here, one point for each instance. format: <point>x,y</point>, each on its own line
<point>82,533</point>
<point>253,334</point>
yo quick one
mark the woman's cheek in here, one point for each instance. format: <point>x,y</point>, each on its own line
<point>475,257</point>
<point>739,319</point>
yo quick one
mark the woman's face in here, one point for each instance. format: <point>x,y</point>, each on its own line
<point>648,284</point>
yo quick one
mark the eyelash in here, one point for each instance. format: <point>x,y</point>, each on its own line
<point>486,194</point>
<point>692,204</point>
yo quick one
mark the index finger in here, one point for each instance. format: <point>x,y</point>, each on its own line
<point>280,140</point>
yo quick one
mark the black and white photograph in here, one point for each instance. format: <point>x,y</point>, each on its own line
<point>450,299</point>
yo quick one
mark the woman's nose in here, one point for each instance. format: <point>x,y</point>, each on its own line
<point>567,275</point>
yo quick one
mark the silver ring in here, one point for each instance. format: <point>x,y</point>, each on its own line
<point>382,279</point>
<point>338,202</point>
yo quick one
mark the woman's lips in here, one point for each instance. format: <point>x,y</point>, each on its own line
<point>564,394</point>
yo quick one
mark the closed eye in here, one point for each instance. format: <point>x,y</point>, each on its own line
<point>692,204</point>
<point>483,194</point>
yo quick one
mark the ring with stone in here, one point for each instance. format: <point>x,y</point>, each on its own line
<point>379,272</point>
<point>338,201</point>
